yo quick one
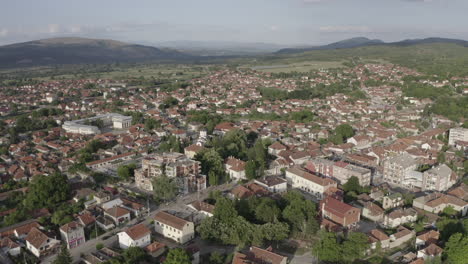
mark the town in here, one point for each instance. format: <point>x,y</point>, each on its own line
<point>236,166</point>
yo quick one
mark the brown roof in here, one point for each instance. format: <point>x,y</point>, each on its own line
<point>379,235</point>
<point>431,235</point>
<point>36,237</point>
<point>137,231</point>
<point>194,148</point>
<point>117,211</point>
<point>337,207</point>
<point>433,250</point>
<point>266,256</point>
<point>25,229</point>
<point>70,226</point>
<point>7,242</point>
<point>86,219</point>
<point>235,164</point>
<point>311,177</point>
<point>155,246</point>
<point>202,206</point>
<point>277,145</point>
<point>171,220</point>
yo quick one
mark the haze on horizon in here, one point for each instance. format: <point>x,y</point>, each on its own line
<point>286,22</point>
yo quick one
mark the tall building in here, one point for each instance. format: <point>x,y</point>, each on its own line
<point>458,134</point>
<point>397,168</point>
<point>340,170</point>
<point>184,171</point>
<point>439,178</point>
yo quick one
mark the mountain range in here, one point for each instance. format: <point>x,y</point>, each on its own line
<point>81,50</point>
<point>362,42</point>
<point>58,51</point>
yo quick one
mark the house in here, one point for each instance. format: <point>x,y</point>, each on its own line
<point>173,227</point>
<point>373,212</point>
<point>235,168</point>
<point>437,202</point>
<point>377,236</point>
<point>402,236</point>
<point>360,141</point>
<point>339,170</point>
<point>457,134</point>
<point>259,256</point>
<point>392,201</point>
<point>118,214</point>
<point>430,252</point>
<point>73,234</point>
<point>273,184</point>
<point>135,236</point>
<point>202,207</point>
<point>86,219</point>
<point>156,249</point>
<point>426,238</point>
<point>105,222</point>
<point>192,150</point>
<point>301,179</point>
<point>8,246</point>
<point>339,212</point>
<point>275,148</point>
<point>40,244</point>
<point>399,217</point>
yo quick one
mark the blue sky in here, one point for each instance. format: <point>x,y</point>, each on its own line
<point>287,22</point>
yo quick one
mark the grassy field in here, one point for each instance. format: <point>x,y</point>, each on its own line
<point>299,67</point>
<point>110,71</point>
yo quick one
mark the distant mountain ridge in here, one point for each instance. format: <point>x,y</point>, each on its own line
<point>81,50</point>
<point>362,42</point>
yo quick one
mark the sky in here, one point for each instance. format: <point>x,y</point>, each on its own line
<point>285,22</point>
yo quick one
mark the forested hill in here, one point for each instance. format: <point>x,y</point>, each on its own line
<point>81,50</point>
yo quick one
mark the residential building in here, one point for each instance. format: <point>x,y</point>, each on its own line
<point>399,217</point>
<point>135,236</point>
<point>339,170</point>
<point>274,184</point>
<point>373,212</point>
<point>235,168</point>
<point>427,238</point>
<point>437,202</point>
<point>440,178</point>
<point>84,126</point>
<point>259,256</point>
<point>118,214</point>
<point>40,244</point>
<point>397,169</point>
<point>173,227</point>
<point>402,236</point>
<point>392,201</point>
<point>186,172</point>
<point>73,234</point>
<point>339,212</point>
<point>315,185</point>
<point>430,252</point>
<point>457,134</point>
<point>376,236</point>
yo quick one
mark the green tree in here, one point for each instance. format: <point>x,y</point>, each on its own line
<point>352,185</point>
<point>63,257</point>
<point>251,169</point>
<point>456,249</point>
<point>216,258</point>
<point>327,249</point>
<point>177,256</point>
<point>267,211</point>
<point>211,165</point>
<point>47,191</point>
<point>134,255</point>
<point>126,172</point>
<point>164,188</point>
<point>354,247</point>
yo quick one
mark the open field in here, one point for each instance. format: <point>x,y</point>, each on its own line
<point>299,67</point>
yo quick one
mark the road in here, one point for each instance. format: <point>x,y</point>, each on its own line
<point>178,205</point>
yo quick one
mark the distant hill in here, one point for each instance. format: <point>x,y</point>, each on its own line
<point>344,44</point>
<point>363,42</point>
<point>81,50</point>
